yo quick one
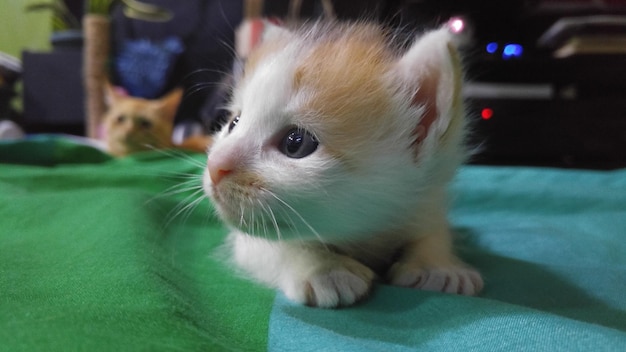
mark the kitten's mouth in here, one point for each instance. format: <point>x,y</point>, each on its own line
<point>244,214</point>
<point>247,209</point>
<point>225,199</point>
<point>210,189</point>
<point>215,193</point>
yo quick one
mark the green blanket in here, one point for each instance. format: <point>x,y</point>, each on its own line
<point>102,254</point>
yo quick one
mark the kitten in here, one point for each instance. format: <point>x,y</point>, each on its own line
<point>134,124</point>
<point>332,170</point>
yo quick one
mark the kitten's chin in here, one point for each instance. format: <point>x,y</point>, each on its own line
<point>258,222</point>
<point>225,212</point>
<point>258,212</point>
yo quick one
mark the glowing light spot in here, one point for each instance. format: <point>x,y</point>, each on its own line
<point>456,24</point>
<point>486,113</point>
<point>492,47</point>
<point>512,50</point>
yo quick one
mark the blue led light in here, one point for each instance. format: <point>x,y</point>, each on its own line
<point>512,50</point>
<point>492,47</point>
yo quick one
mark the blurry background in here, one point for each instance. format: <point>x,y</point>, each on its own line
<point>547,78</point>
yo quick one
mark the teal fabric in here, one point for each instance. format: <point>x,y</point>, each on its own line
<point>93,258</point>
<point>551,245</point>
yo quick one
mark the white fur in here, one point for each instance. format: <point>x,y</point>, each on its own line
<point>318,229</point>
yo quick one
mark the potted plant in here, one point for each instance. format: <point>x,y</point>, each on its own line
<point>66,28</point>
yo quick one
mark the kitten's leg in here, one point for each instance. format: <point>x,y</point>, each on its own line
<point>428,263</point>
<point>306,273</point>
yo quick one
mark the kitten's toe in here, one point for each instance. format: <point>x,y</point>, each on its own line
<point>455,279</point>
<point>341,285</point>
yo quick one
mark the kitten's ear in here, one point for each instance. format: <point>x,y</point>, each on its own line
<point>274,30</point>
<point>252,32</point>
<point>431,69</point>
<point>169,103</point>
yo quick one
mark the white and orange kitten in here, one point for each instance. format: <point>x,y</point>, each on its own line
<point>332,171</point>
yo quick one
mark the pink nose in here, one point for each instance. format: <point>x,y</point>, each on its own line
<point>218,174</point>
<point>219,167</point>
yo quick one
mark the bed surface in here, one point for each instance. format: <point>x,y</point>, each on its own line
<point>101,254</point>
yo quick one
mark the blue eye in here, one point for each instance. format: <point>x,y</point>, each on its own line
<point>298,143</point>
<point>233,123</point>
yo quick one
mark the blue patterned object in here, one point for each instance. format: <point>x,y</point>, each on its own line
<point>143,66</point>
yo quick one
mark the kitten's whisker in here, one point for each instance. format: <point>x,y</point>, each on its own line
<point>264,226</point>
<point>253,222</point>
<point>180,175</point>
<point>185,179</point>
<point>185,206</point>
<point>295,212</point>
<point>192,206</point>
<point>174,190</point>
<point>203,70</point>
<point>288,216</point>
<point>200,87</point>
<point>275,222</point>
<point>270,213</point>
<point>242,221</point>
<point>192,183</point>
<point>184,187</point>
<point>177,155</point>
<point>261,219</point>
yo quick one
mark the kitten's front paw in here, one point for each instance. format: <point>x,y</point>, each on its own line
<point>450,279</point>
<point>338,284</point>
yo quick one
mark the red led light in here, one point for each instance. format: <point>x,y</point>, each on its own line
<point>486,113</point>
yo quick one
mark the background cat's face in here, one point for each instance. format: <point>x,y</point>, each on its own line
<point>320,143</point>
<point>132,127</point>
<point>134,124</point>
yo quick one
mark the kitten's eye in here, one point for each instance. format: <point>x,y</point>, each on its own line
<point>233,123</point>
<point>298,143</point>
<point>145,124</point>
<point>120,119</point>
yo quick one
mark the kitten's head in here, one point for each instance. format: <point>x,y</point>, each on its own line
<point>335,133</point>
<point>134,124</point>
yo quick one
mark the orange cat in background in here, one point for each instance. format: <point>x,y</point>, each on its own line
<point>134,124</point>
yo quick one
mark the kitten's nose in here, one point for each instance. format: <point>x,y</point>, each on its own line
<point>218,174</point>
<point>218,169</point>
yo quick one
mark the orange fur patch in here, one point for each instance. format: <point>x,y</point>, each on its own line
<point>344,76</point>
